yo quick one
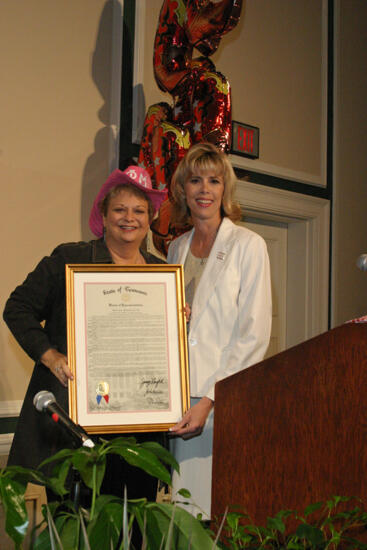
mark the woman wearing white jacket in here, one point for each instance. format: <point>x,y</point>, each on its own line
<point>227,285</point>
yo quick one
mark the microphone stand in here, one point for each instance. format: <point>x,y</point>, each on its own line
<point>76,487</point>
<point>44,401</point>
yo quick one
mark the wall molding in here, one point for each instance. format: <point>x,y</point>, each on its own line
<point>312,214</point>
<point>10,408</point>
<point>255,165</point>
<point>139,107</point>
<point>116,70</point>
<point>283,172</point>
<point>5,443</point>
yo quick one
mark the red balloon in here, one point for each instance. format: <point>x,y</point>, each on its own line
<point>201,109</point>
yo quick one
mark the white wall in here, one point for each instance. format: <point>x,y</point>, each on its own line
<point>59,113</point>
<point>56,138</point>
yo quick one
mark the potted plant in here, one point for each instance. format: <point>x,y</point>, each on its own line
<point>336,523</point>
<point>106,523</point>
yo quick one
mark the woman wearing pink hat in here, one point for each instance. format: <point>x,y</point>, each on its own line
<point>120,218</point>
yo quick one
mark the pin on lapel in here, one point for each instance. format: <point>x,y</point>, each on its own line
<point>220,255</point>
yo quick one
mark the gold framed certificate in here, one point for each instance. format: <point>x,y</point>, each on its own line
<point>127,347</point>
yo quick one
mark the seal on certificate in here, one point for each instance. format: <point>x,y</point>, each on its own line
<point>102,390</point>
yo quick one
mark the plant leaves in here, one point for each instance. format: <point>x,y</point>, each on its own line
<point>105,530</point>
<point>12,498</point>
<point>294,545</point>
<point>310,533</point>
<point>232,520</point>
<point>70,533</point>
<point>103,500</point>
<point>184,493</point>
<point>188,532</point>
<point>85,462</point>
<point>123,440</point>
<point>313,508</point>
<point>23,475</point>
<point>85,544</point>
<point>275,524</point>
<point>58,457</point>
<point>335,500</point>
<point>163,454</point>
<point>43,541</point>
<point>144,459</point>
<point>153,526</point>
<point>59,475</point>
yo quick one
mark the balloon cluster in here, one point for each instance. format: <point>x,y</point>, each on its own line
<point>201,109</point>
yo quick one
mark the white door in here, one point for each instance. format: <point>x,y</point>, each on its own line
<point>275,236</point>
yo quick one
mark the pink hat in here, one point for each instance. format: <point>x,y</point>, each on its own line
<point>134,175</point>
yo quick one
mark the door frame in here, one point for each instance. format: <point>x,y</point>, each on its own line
<point>308,221</point>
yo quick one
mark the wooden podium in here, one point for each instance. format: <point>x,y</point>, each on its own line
<point>292,430</point>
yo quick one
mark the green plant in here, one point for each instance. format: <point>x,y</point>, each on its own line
<point>107,522</point>
<point>323,525</point>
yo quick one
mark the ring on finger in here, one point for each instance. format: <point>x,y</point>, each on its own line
<point>58,369</point>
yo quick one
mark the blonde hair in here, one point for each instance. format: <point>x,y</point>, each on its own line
<point>202,158</point>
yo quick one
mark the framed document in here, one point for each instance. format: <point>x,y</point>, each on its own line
<point>127,347</point>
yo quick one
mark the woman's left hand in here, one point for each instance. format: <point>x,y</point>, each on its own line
<point>193,421</point>
<point>58,364</point>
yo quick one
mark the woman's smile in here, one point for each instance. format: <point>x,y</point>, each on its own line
<point>128,227</point>
<point>204,203</point>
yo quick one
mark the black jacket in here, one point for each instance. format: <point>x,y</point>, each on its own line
<point>42,298</point>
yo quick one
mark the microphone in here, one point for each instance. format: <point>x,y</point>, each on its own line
<point>362,262</point>
<point>45,401</point>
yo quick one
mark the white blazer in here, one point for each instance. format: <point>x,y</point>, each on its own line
<point>231,312</point>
